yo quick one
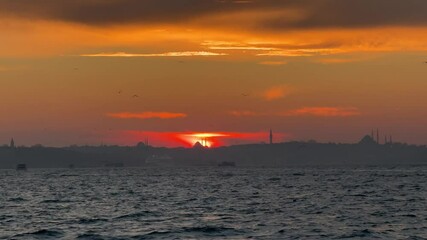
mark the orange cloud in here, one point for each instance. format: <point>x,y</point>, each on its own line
<point>302,52</point>
<point>24,37</point>
<point>167,54</point>
<point>323,112</point>
<point>147,115</point>
<point>224,45</point>
<point>276,92</point>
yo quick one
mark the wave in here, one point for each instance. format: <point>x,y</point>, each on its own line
<point>137,215</point>
<point>69,175</point>
<point>359,234</point>
<point>17,199</point>
<point>207,229</point>
<point>55,201</point>
<point>90,236</point>
<point>44,233</point>
<point>91,220</point>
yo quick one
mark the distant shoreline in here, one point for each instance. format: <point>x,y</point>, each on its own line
<point>255,155</point>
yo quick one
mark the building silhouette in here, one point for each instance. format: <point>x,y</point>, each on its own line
<point>368,140</point>
<point>271,136</point>
<point>12,143</point>
<point>378,136</point>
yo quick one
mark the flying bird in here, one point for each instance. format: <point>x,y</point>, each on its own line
<point>245,95</point>
<point>119,92</point>
<point>135,96</point>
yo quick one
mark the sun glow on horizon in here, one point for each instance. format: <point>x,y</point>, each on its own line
<point>205,139</point>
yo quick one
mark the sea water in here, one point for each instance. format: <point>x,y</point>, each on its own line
<point>214,203</point>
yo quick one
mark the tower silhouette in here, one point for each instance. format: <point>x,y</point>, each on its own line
<point>271,136</point>
<point>378,136</point>
<point>12,143</point>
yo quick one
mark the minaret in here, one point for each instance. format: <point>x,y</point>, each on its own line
<point>12,143</point>
<point>378,136</point>
<point>391,140</point>
<point>271,136</point>
<point>385,139</point>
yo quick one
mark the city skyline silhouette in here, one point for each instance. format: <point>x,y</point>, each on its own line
<point>327,71</point>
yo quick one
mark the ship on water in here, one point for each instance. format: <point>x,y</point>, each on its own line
<point>21,167</point>
<point>226,164</point>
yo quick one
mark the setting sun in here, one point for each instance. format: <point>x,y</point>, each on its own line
<point>205,139</point>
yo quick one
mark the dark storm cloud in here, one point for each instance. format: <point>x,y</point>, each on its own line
<point>359,13</point>
<point>317,13</point>
<point>103,12</point>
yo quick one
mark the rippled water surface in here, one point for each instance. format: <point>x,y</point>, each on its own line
<point>214,203</point>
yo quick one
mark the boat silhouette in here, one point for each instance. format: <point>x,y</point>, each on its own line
<point>21,167</point>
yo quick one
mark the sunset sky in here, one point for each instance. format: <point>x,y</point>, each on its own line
<point>120,71</point>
